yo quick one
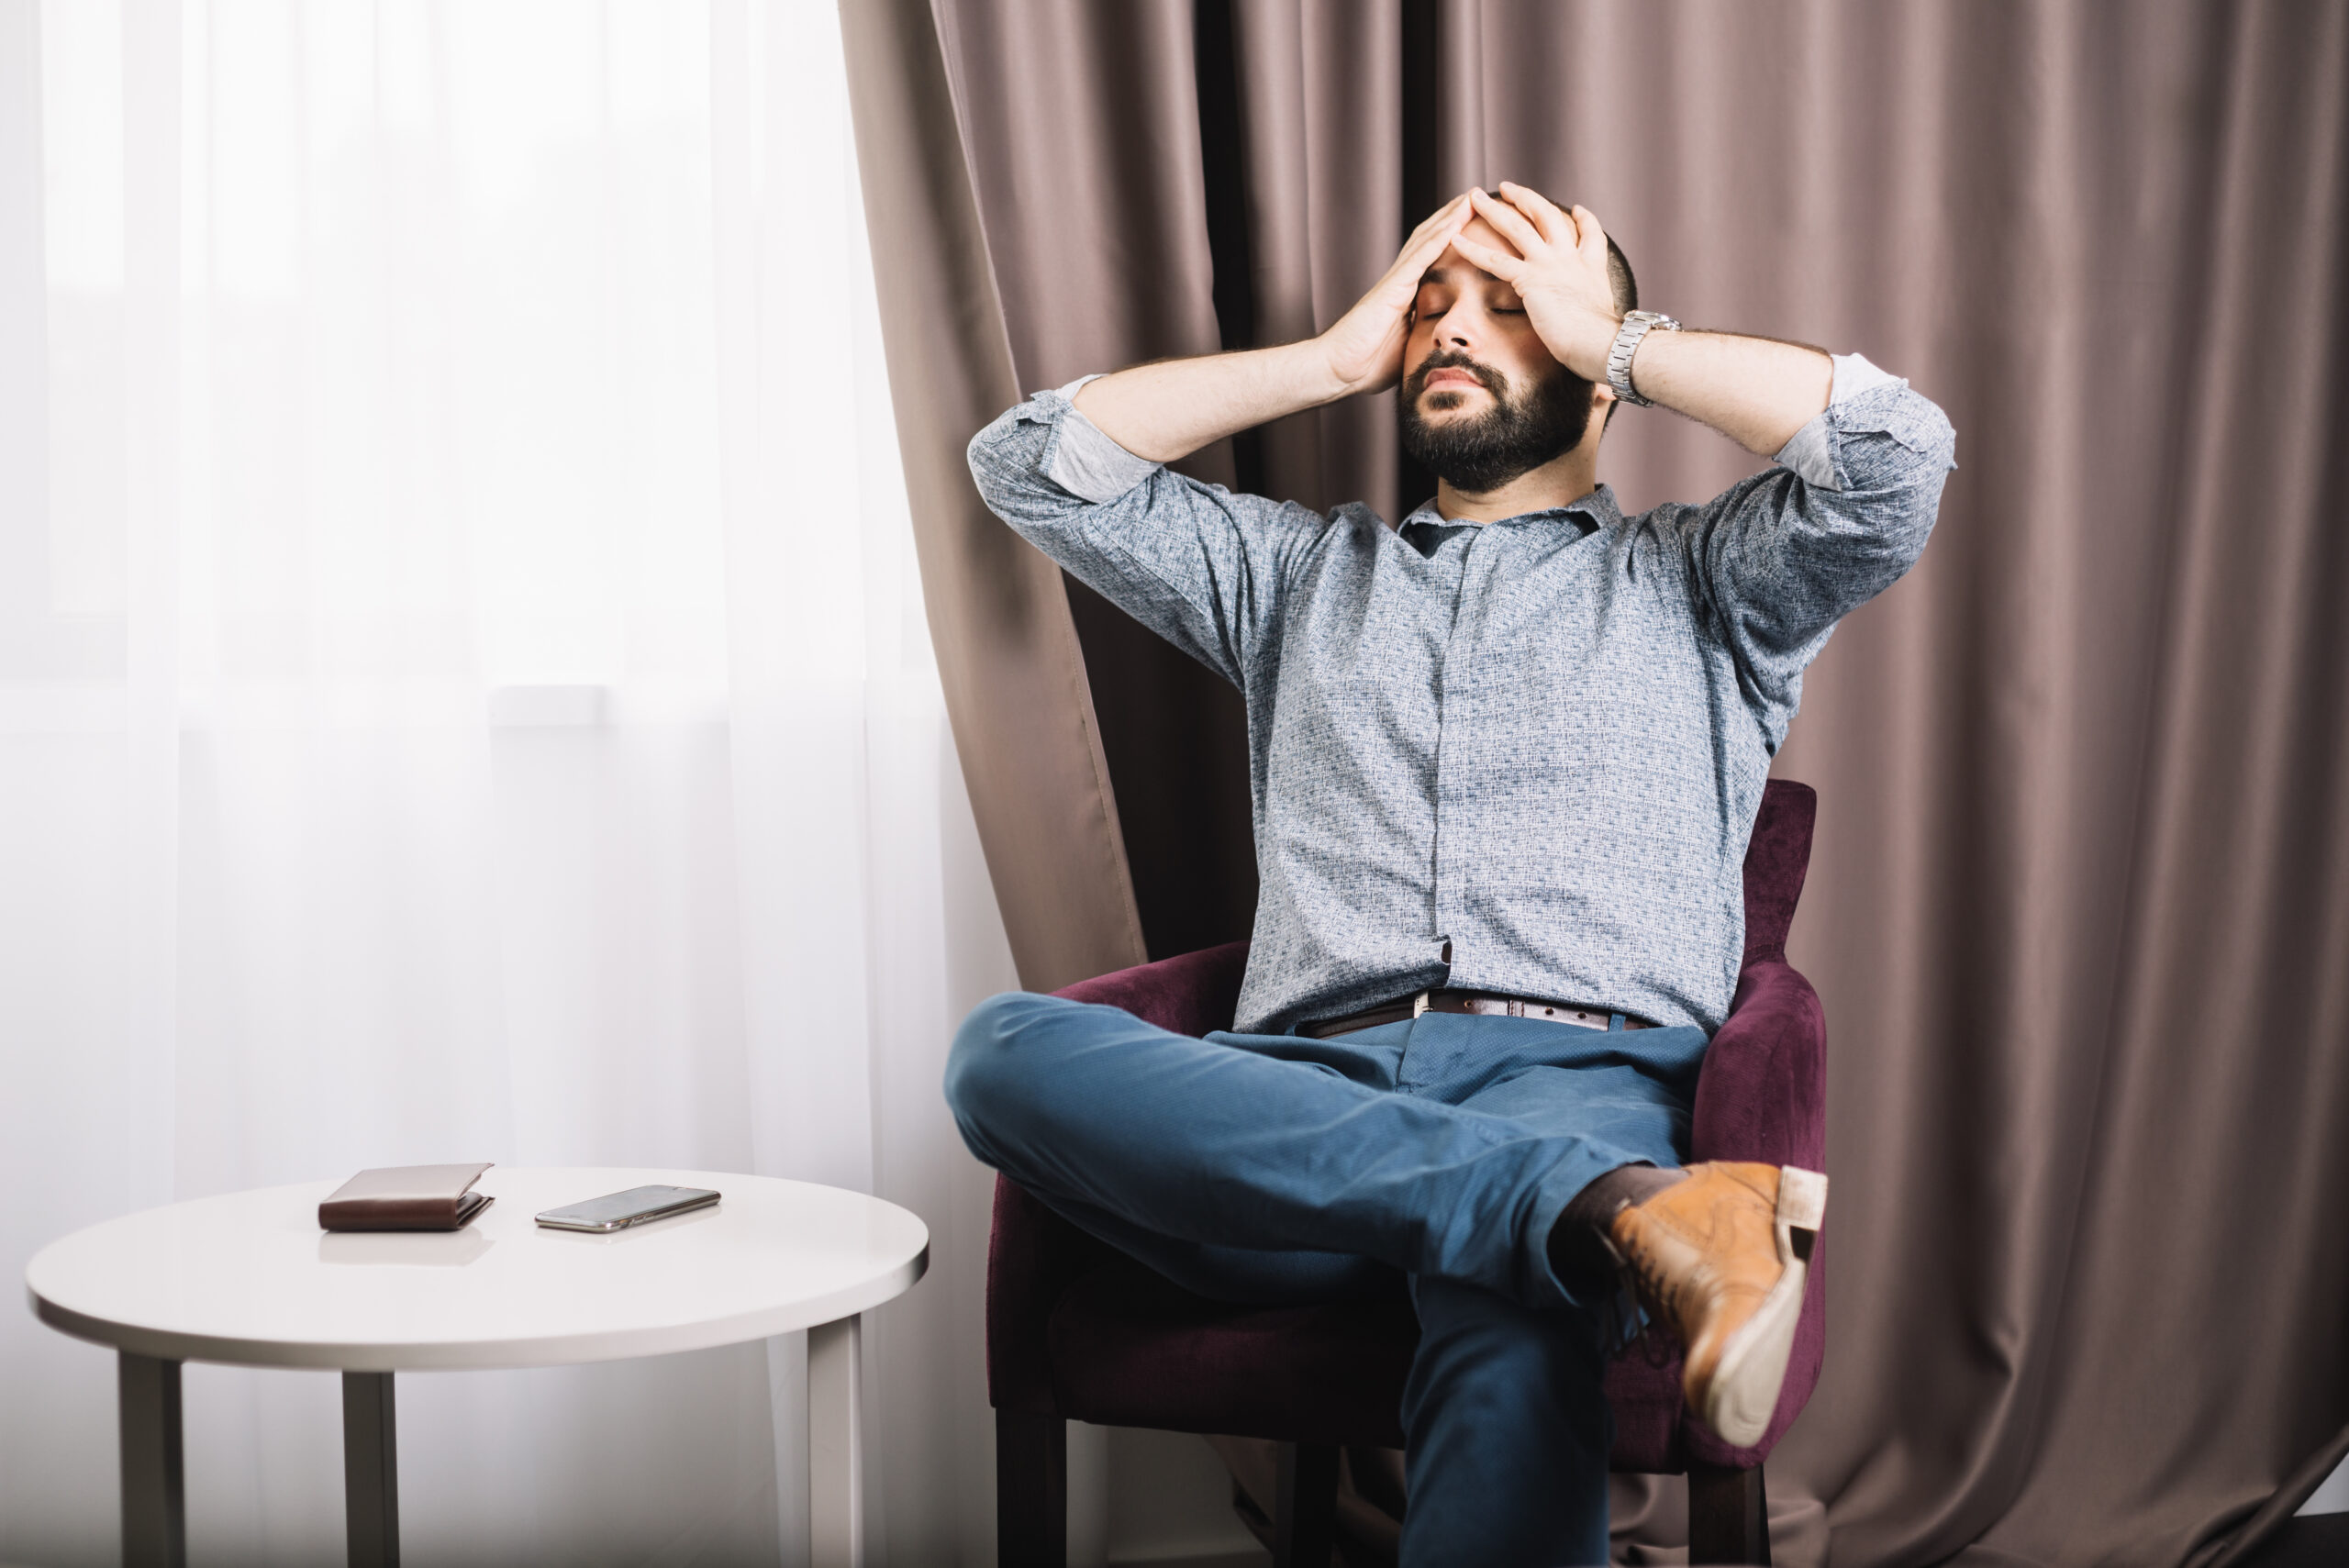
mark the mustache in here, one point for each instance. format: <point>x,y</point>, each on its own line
<point>1491,380</point>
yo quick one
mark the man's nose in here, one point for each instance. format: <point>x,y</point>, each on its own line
<point>1460,327</point>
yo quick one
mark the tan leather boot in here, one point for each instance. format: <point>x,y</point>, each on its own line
<point>1713,1257</point>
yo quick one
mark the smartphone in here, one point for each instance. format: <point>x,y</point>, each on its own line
<point>617,1211</point>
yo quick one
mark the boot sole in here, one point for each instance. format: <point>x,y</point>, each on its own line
<point>1753,1367</point>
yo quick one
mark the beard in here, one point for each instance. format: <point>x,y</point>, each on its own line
<point>1518,434</point>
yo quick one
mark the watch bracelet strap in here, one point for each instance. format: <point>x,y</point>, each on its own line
<point>1628,337</point>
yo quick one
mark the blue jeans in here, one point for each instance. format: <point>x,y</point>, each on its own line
<point>1277,1168</point>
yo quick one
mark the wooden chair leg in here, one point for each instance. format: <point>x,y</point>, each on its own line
<point>1031,1491</point>
<point>1729,1516</point>
<point>1305,1506</point>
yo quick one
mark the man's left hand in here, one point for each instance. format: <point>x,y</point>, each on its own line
<point>1559,274</point>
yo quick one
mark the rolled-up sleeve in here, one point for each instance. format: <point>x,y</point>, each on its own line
<point>1197,563</point>
<point>1781,557</point>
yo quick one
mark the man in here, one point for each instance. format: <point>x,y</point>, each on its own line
<point>1505,760</point>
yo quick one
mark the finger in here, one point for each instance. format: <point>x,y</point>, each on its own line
<point>1427,243</point>
<point>1555,226</point>
<point>1500,264</point>
<point>1453,211</point>
<point>1591,239</point>
<point>1572,224</point>
<point>1509,223</point>
<point>1453,218</point>
<point>1455,215</point>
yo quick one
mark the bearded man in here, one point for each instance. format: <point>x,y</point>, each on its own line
<point>1505,759</point>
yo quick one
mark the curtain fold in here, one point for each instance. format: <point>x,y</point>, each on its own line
<point>1013,670</point>
<point>2077,909</point>
<point>1109,166</point>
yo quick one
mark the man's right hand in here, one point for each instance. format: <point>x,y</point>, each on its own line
<point>1172,408</point>
<point>1364,346</point>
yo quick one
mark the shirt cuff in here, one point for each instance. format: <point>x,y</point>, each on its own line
<point>1808,453</point>
<point>1088,464</point>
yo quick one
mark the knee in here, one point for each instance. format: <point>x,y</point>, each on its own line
<point>985,1068</point>
<point>980,1045</point>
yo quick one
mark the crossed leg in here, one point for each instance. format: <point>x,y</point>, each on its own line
<point>1277,1169</point>
<point>1446,1147</point>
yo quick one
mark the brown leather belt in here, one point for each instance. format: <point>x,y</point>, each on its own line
<point>1491,1003</point>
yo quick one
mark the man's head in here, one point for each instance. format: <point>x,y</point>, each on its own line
<point>1482,400</point>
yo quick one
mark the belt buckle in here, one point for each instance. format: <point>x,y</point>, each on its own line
<point>1419,1004</point>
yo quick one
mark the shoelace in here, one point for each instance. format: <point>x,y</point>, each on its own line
<point>1637,1314</point>
<point>1655,1295</point>
<point>1661,1298</point>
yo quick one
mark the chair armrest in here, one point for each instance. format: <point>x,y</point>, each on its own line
<point>1194,994</point>
<point>1763,1092</point>
<point>1763,1095</point>
<point>1033,1256</point>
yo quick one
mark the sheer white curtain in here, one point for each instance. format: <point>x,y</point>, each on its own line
<point>464,693</point>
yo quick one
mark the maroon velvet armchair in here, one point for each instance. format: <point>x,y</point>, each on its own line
<point>1077,1331</point>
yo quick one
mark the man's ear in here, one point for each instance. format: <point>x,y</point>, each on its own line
<point>1603,400</point>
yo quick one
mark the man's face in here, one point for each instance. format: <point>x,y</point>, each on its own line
<point>1482,400</point>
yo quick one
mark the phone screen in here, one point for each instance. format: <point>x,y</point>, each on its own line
<point>613,1210</point>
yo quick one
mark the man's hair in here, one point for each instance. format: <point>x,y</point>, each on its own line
<point>1619,280</point>
<point>1625,288</point>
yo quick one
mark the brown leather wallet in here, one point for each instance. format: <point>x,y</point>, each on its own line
<point>406,1198</point>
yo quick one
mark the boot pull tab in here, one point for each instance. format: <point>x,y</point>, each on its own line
<point>1803,1198</point>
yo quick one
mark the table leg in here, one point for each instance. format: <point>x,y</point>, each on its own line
<point>835,1447</point>
<point>154,1506</point>
<point>371,1476</point>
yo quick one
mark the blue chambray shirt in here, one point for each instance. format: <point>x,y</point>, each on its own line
<point>1536,745</point>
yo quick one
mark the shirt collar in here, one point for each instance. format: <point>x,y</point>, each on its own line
<point>1599,509</point>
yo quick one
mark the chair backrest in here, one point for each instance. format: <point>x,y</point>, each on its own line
<point>1777,858</point>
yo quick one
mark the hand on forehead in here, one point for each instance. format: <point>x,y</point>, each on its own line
<point>1512,229</point>
<point>1476,231</point>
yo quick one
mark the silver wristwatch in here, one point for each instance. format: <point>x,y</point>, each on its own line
<point>1636,325</point>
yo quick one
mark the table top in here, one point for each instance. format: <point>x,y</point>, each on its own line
<point>250,1278</point>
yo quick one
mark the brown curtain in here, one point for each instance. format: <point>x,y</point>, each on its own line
<point>1014,677</point>
<point>2079,908</point>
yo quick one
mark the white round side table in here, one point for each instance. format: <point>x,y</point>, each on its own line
<point>250,1279</point>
